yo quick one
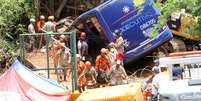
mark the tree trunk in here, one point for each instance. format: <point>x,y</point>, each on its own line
<point>58,11</point>
<point>37,7</point>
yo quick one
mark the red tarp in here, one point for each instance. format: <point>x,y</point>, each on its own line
<point>20,84</point>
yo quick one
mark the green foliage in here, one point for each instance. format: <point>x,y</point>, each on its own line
<point>11,12</point>
<point>192,7</point>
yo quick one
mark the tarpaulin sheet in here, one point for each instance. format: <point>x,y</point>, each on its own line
<point>20,84</point>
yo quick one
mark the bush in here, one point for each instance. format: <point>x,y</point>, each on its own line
<point>12,14</point>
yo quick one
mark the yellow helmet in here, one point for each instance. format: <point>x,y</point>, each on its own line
<point>103,50</point>
<point>51,18</point>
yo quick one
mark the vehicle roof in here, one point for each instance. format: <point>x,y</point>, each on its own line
<point>192,57</point>
<point>99,8</point>
<point>93,10</point>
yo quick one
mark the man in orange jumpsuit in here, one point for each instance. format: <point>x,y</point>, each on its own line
<point>80,69</point>
<point>102,66</point>
<point>40,23</point>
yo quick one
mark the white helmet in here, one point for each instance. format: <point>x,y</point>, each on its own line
<point>32,20</point>
<point>118,62</point>
<point>78,55</point>
<point>62,36</point>
<point>42,17</point>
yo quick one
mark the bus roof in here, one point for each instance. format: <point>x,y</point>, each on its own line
<point>91,11</point>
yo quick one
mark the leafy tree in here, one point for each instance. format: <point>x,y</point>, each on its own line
<point>192,7</point>
<point>12,14</point>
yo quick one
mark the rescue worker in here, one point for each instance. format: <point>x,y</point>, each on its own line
<point>119,44</point>
<point>161,77</point>
<point>31,30</point>
<point>147,88</point>
<point>117,74</point>
<point>102,67</point>
<point>49,25</point>
<point>31,26</point>
<point>90,74</point>
<point>59,48</point>
<point>40,23</point>
<point>82,45</point>
<point>64,56</point>
<point>177,71</point>
<point>80,69</point>
<point>156,65</point>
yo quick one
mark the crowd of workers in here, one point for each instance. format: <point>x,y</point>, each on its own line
<point>107,69</point>
<point>43,26</point>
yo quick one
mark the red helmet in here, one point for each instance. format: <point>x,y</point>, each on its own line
<point>82,34</point>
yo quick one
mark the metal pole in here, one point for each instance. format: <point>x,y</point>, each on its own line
<point>22,48</point>
<point>47,52</point>
<point>74,61</point>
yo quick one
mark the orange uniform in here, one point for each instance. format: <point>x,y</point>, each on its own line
<point>40,24</point>
<point>80,68</point>
<point>103,63</point>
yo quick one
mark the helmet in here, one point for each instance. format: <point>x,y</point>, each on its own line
<point>62,36</point>
<point>88,63</point>
<point>82,34</point>
<point>51,18</point>
<point>117,33</point>
<point>118,62</point>
<point>103,50</point>
<point>32,20</point>
<point>78,55</point>
<point>42,17</point>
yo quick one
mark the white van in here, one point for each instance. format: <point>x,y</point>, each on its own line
<point>188,89</point>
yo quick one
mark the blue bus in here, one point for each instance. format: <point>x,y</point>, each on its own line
<point>133,18</point>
